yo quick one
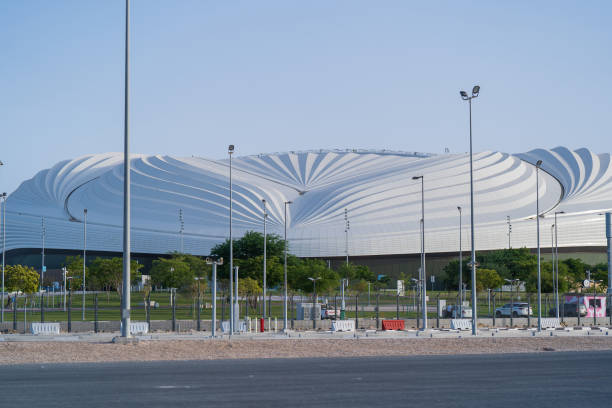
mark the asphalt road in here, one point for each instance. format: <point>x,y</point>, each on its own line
<point>510,380</point>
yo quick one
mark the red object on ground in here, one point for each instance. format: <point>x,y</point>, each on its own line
<point>393,325</point>
<point>262,326</point>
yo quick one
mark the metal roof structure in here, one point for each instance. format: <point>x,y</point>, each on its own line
<point>376,188</point>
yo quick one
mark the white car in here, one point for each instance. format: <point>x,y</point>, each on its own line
<point>514,309</point>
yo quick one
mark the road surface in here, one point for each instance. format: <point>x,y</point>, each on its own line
<point>550,379</point>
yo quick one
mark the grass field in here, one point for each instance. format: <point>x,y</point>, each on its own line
<point>109,306</point>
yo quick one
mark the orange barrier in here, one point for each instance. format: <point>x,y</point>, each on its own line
<point>393,325</point>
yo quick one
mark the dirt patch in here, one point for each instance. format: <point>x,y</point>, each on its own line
<point>66,352</point>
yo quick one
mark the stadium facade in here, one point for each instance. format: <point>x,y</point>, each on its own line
<point>376,188</point>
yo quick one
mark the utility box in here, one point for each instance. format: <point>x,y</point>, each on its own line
<point>308,311</point>
<point>441,307</point>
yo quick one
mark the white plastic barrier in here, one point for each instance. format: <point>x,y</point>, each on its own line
<point>225,326</point>
<point>137,327</point>
<point>550,322</point>
<point>461,324</point>
<point>45,328</point>
<point>242,326</point>
<point>343,325</point>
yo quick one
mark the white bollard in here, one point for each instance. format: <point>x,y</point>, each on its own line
<point>269,325</point>
<point>275,324</point>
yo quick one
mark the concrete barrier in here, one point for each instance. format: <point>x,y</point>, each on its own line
<point>45,328</point>
<point>393,325</point>
<point>343,325</point>
<point>137,327</point>
<point>550,323</point>
<point>461,324</point>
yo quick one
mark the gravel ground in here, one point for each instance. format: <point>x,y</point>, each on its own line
<point>67,352</point>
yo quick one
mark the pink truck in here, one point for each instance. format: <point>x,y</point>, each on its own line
<point>594,304</point>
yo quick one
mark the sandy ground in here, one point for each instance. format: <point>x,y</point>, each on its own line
<point>67,352</point>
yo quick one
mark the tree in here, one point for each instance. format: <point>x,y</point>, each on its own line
<point>250,289</point>
<point>299,270</point>
<point>253,268</point>
<point>488,279</point>
<point>107,273</point>
<point>247,247</point>
<point>172,273</point>
<point>74,268</point>
<point>21,278</point>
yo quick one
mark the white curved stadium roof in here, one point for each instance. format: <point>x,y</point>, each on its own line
<point>383,201</point>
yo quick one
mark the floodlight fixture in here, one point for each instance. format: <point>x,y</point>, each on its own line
<point>475,91</point>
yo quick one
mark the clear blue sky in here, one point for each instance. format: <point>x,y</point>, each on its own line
<point>288,75</point>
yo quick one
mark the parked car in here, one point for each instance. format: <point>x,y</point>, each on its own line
<point>569,310</point>
<point>328,312</point>
<point>514,309</point>
<point>452,312</point>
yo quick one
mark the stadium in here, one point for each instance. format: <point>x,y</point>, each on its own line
<point>182,204</point>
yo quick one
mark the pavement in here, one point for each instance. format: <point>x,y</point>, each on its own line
<point>318,334</point>
<point>500,380</point>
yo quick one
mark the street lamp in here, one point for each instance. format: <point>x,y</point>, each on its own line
<point>265,216</point>
<point>347,227</point>
<point>460,267</point>
<point>125,306</point>
<point>509,231</point>
<point>214,263</point>
<point>84,253</point>
<point>3,197</point>
<point>43,233</point>
<point>556,263</point>
<point>181,229</point>
<point>285,270</point>
<point>230,151</point>
<point>465,97</point>
<point>538,164</point>
<point>423,271</point>
<point>314,288</point>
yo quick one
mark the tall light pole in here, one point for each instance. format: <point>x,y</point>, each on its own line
<point>265,254</point>
<point>465,97</point>
<point>347,227</point>
<point>538,164</point>
<point>236,305</point>
<point>423,271</point>
<point>43,233</point>
<point>314,289</point>
<point>509,231</point>
<point>609,249</point>
<point>460,267</point>
<point>84,254</point>
<point>556,263</point>
<point>182,228</point>
<point>125,304</point>
<point>285,270</point>
<point>214,263</point>
<point>3,244</point>
<point>230,151</point>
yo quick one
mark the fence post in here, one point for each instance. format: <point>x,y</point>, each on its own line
<point>42,307</point>
<point>528,310</point>
<point>438,312</point>
<point>512,309</point>
<point>15,312</point>
<point>562,309</point>
<point>418,316</point>
<point>149,310</point>
<point>578,308</point>
<point>173,297</point>
<point>356,312</point>
<point>377,311</point>
<point>69,310</point>
<point>494,310</point>
<point>397,307</point>
<point>198,312</point>
<point>95,313</point>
